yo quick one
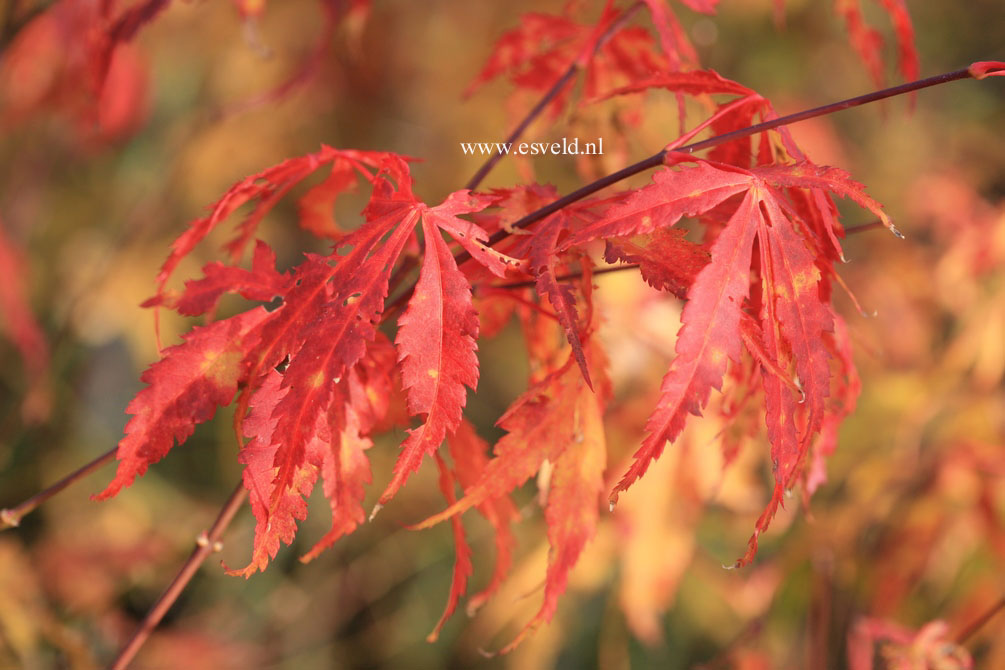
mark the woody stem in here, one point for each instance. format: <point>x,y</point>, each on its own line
<point>978,623</point>
<point>659,157</point>
<point>206,543</point>
<point>632,266</point>
<point>11,517</point>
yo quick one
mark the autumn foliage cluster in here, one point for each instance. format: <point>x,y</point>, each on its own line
<point>679,340</point>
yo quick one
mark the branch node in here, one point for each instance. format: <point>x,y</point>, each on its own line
<point>9,519</point>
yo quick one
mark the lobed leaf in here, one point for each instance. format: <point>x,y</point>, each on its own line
<point>709,322</point>
<point>436,345</point>
<point>184,389</point>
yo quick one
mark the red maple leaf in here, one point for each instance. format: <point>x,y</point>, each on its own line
<point>537,54</point>
<point>793,318</point>
<point>558,420</point>
<point>317,378</point>
<point>185,387</point>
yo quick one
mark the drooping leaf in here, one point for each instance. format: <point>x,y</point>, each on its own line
<point>573,502</point>
<point>868,41</point>
<point>436,344</point>
<point>706,339</point>
<point>557,421</point>
<point>184,389</point>
<point>666,259</point>
<point>462,563</point>
<point>261,283</point>
<point>538,429</point>
<point>470,456</point>
<point>794,319</point>
<point>542,263</point>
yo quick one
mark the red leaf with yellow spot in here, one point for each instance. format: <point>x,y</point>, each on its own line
<point>336,450</point>
<point>184,389</point>
<point>335,338</point>
<point>436,344</point>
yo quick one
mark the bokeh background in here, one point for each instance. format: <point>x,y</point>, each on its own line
<point>910,527</point>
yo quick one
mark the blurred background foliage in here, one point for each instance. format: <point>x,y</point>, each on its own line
<point>910,527</point>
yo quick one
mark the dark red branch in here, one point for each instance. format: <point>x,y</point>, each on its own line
<point>658,158</point>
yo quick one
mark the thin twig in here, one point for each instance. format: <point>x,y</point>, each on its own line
<point>11,517</point>
<point>658,158</point>
<point>207,543</point>
<point>569,275</point>
<point>552,93</point>
<point>978,623</point>
<point>631,266</point>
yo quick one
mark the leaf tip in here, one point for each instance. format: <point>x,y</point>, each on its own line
<point>107,494</point>
<point>375,511</point>
<point>612,500</point>
<point>243,572</point>
<point>987,68</point>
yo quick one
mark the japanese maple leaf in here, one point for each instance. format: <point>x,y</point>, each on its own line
<point>261,283</point>
<point>543,260</point>
<point>308,419</point>
<point>437,332</point>
<point>793,318</point>
<point>868,42</point>
<point>266,188</point>
<point>538,53</point>
<point>558,420</point>
<point>667,261</point>
<point>185,387</point>
<point>335,450</point>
